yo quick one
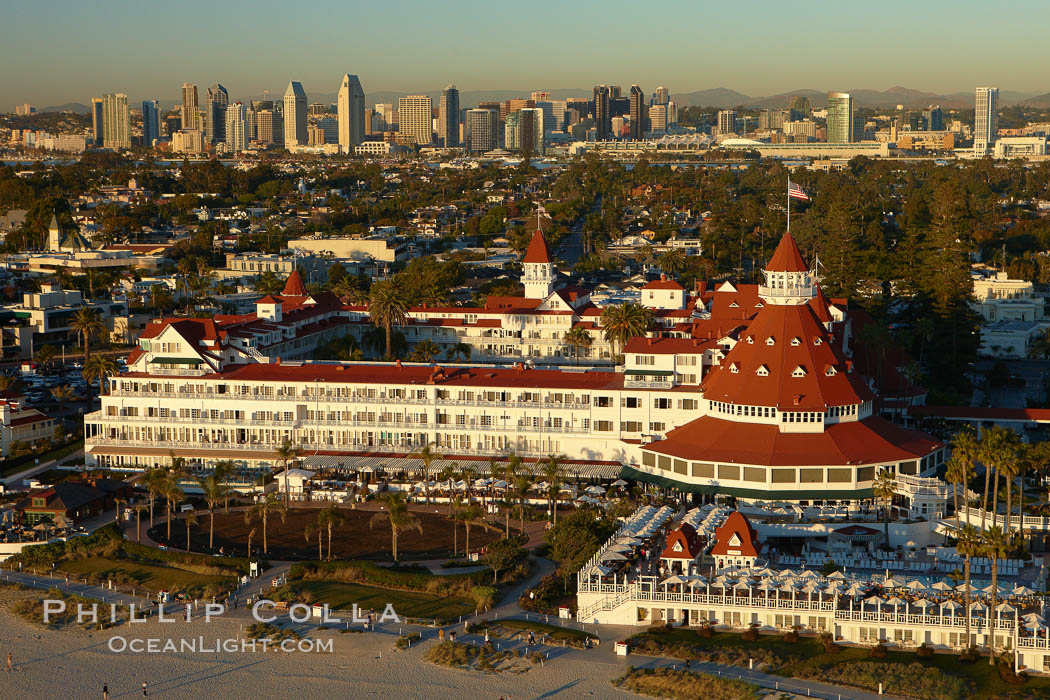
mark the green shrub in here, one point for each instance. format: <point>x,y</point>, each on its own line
<point>667,683</point>
<point>407,640</point>
<point>879,651</point>
<point>912,680</point>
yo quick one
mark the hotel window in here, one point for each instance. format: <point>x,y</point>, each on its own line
<point>687,378</point>
<point>661,403</point>
<point>783,476</point>
<point>688,404</point>
<point>687,360</point>
<point>734,368</point>
<point>770,341</point>
<point>665,462</point>
<point>656,427</point>
<point>630,402</point>
<point>703,470</point>
<point>603,426</point>
<point>729,471</point>
<point>818,341</point>
<point>646,360</point>
<point>631,426</point>
<point>757,474</point>
<point>800,371</point>
<point>649,459</point>
<point>603,401</point>
<point>795,342</point>
<point>762,371</point>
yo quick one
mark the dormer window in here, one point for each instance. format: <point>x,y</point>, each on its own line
<point>795,342</point>
<point>734,368</point>
<point>751,340</point>
<point>830,371</point>
<point>770,341</point>
<point>734,305</point>
<point>800,371</point>
<point>818,340</point>
<point>762,371</point>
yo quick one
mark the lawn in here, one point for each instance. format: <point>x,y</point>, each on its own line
<point>557,633</point>
<point>342,596</point>
<point>807,658</point>
<point>17,464</point>
<point>148,576</point>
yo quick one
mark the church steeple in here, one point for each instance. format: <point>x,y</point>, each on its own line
<point>54,234</point>
<point>787,279</point>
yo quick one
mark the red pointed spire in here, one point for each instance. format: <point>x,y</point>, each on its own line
<point>538,250</point>
<point>293,286</point>
<point>787,257</point>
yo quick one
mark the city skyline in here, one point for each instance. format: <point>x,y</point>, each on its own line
<point>74,68</point>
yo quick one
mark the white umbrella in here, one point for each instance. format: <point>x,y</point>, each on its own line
<point>619,482</point>
<point>622,548</point>
<point>1005,608</point>
<point>916,585</point>
<point>978,606</point>
<point>633,541</point>
<point>951,605</point>
<point>596,490</point>
<point>613,556</point>
<point>873,600</point>
<point>923,603</point>
<point>1022,590</point>
<point>891,582</point>
<point>809,574</point>
<point>837,574</point>
<point>501,484</point>
<point>1036,624</point>
<point>856,589</point>
<point>672,579</point>
<point>941,586</point>
<point>599,570</point>
<point>895,602</point>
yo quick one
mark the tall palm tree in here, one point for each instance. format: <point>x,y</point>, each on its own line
<point>223,470</point>
<point>449,474</point>
<point>387,307</point>
<point>673,261</point>
<point>958,472</point>
<point>286,453</point>
<point>45,355</point>
<point>884,488</point>
<point>995,548</point>
<point>997,448</point>
<point>522,484</point>
<point>577,337</point>
<point>473,516</point>
<point>100,368</point>
<point>191,519</point>
<point>138,521</point>
<point>968,544</point>
<point>62,393</point>
<point>427,455</point>
<point>261,511</point>
<point>328,518</point>
<point>87,322</point>
<point>397,515</point>
<point>553,473</point>
<point>154,481</point>
<point>214,493</point>
<point>171,490</point>
<point>623,322</point>
<point>309,531</point>
<point>455,514</point>
<point>1010,469</point>
<point>967,449</point>
<point>425,351</point>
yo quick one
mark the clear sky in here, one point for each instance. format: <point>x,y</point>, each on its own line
<point>70,50</point>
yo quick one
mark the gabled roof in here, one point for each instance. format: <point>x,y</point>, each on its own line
<point>538,250</point>
<point>293,286</point>
<point>663,283</point>
<point>682,543</point>
<point>745,544</point>
<point>787,257</point>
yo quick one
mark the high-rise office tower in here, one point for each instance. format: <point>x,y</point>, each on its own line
<point>415,115</point>
<point>235,127</point>
<point>116,126</point>
<point>189,106</point>
<point>215,114</point>
<point>772,119</point>
<point>840,118</point>
<point>270,126</point>
<point>658,118</point>
<point>602,117</point>
<point>295,115</point>
<point>727,121</point>
<point>482,130</point>
<point>986,119</point>
<point>614,92</point>
<point>661,96</point>
<point>150,123</point>
<point>530,123</point>
<point>448,117</point>
<point>558,110</point>
<point>672,114</point>
<point>511,133</point>
<point>350,106</point>
<point>637,112</point>
<point>97,117</point>
<point>934,118</point>
<point>252,126</point>
<point>799,107</point>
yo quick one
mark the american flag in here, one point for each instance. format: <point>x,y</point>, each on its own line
<point>796,192</point>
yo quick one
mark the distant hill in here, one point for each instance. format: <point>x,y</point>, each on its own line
<point>884,99</point>
<point>68,107</point>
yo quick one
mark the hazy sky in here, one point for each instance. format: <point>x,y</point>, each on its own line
<point>70,50</point>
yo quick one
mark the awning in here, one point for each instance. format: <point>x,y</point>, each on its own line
<point>655,372</point>
<point>721,489</point>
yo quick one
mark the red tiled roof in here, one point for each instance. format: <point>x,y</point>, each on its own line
<point>663,284</point>
<point>870,441</point>
<point>269,299</point>
<point>736,524</point>
<point>685,536</point>
<point>538,250</point>
<point>787,257</point>
<point>667,346</point>
<point>293,286</point>
<point>814,351</point>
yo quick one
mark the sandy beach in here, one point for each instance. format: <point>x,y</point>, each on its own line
<point>76,664</point>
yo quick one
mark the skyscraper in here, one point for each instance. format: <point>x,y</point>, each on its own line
<point>150,122</point>
<point>415,115</point>
<point>986,119</point>
<point>350,105</point>
<point>637,113</point>
<point>602,117</point>
<point>727,121</point>
<point>934,118</point>
<point>269,124</point>
<point>448,117</point>
<point>482,130</point>
<point>189,106</point>
<point>295,115</point>
<point>799,108</point>
<point>840,118</point>
<point>116,127</point>
<point>661,96</point>
<point>97,117</point>
<point>215,128</point>
<point>235,127</point>
<point>658,118</point>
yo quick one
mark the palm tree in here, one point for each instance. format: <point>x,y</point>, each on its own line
<point>138,521</point>
<point>45,355</point>
<point>463,350</point>
<point>286,453</point>
<point>118,502</point>
<point>553,473</point>
<point>425,351</point>
<point>154,479</point>
<point>472,516</point>
<point>99,367</point>
<point>191,519</point>
<point>968,544</point>
<point>87,322</point>
<point>309,532</point>
<point>673,261</point>
<point>387,308</point>
<point>577,337</point>
<point>995,548</point>
<point>522,484</point>
<point>449,474</point>
<point>958,472</point>
<point>261,511</point>
<point>623,322</point>
<point>427,455</point>
<point>328,518</point>
<point>397,515</point>
<point>222,471</point>
<point>214,492</point>
<point>251,534</point>
<point>171,490</point>
<point>998,447</point>
<point>1010,469</point>
<point>62,393</point>
<point>965,449</point>
<point>883,488</point>
<point>456,516</point>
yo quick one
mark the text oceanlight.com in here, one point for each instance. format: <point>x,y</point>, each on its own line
<point>200,645</point>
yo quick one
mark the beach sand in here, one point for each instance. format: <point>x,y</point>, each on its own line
<point>74,663</point>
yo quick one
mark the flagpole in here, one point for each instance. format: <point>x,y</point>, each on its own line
<point>789,204</point>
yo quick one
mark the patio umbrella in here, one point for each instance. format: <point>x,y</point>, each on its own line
<point>895,602</point>
<point>891,582</point>
<point>809,574</point>
<point>672,580</point>
<point>837,575</point>
<point>622,548</point>
<point>856,589</point>
<point>599,570</point>
<point>951,605</point>
<point>633,541</point>
<point>1005,608</point>
<point>923,603</point>
<point>978,606</point>
<point>595,490</point>
<point>941,586</point>
<point>1022,590</point>
<point>613,556</point>
<point>1036,624</point>
<point>619,482</point>
<point>916,585</point>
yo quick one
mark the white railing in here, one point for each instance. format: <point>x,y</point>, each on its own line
<point>973,516</point>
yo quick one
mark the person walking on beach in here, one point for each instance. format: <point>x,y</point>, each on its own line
<point>144,693</point>
<point>105,691</point>
<point>9,668</point>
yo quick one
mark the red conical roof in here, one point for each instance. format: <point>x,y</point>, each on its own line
<point>293,286</point>
<point>787,257</point>
<point>538,251</point>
